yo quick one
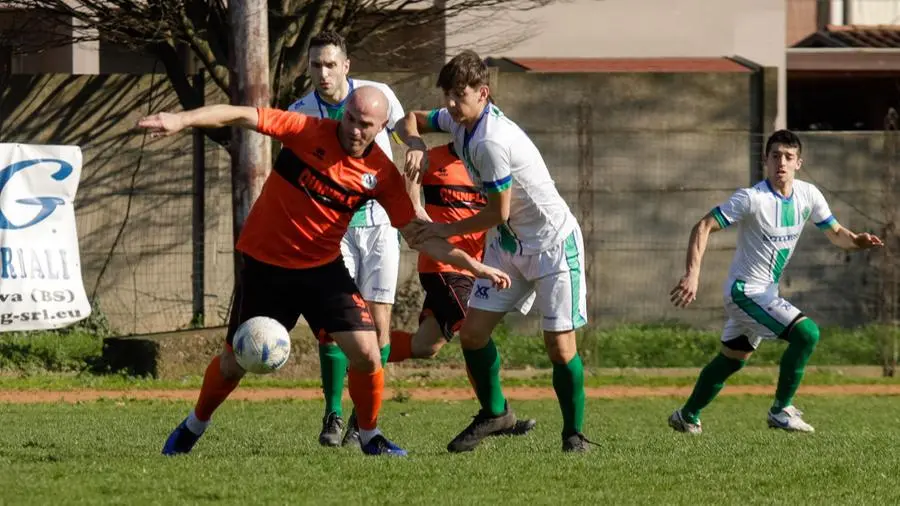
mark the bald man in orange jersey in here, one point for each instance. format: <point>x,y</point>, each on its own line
<point>290,242</point>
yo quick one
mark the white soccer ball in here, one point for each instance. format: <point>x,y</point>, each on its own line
<point>261,345</point>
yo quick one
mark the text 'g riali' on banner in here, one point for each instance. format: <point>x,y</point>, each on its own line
<point>40,265</point>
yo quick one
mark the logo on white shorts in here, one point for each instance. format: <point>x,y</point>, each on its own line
<point>369,181</point>
<point>481,292</point>
<point>785,305</point>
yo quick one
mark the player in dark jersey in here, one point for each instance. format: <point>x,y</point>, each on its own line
<point>291,245</point>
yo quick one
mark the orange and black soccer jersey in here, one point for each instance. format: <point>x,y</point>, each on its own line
<point>450,195</point>
<point>307,202</point>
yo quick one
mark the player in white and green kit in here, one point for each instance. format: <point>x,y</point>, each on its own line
<point>537,241</point>
<point>371,247</point>
<point>769,218</point>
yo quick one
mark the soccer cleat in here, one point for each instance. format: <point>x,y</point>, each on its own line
<point>380,445</point>
<point>351,437</point>
<point>181,440</point>
<point>680,424</point>
<point>577,443</point>
<point>790,420</point>
<point>483,425</point>
<point>521,428</point>
<point>332,426</point>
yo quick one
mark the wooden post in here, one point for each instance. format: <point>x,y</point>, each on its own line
<point>251,152</point>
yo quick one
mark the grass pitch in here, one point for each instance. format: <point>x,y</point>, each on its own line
<point>107,452</point>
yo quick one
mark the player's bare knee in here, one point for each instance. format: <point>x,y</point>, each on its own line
<point>561,347</point>
<point>229,367</point>
<point>364,360</point>
<point>471,338</point>
<point>381,317</point>
<point>426,350</point>
<point>384,337</point>
<point>361,349</point>
<point>366,364</point>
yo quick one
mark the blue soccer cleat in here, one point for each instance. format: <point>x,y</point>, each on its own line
<point>181,440</point>
<point>380,445</point>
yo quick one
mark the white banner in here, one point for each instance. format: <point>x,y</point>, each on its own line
<point>40,267</point>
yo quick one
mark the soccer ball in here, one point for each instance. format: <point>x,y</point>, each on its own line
<point>261,345</point>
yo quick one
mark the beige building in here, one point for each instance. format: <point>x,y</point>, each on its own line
<point>29,45</point>
<point>752,29</point>
<point>760,31</point>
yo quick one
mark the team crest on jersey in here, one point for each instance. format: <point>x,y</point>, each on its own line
<point>369,181</point>
<point>806,212</point>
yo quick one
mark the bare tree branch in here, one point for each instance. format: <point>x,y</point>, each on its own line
<point>159,27</point>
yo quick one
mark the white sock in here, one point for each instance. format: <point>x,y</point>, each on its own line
<point>195,425</point>
<point>366,435</point>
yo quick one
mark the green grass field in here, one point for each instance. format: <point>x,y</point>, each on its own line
<point>107,452</point>
<point>640,346</point>
<point>453,378</point>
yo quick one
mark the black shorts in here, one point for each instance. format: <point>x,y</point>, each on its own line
<point>446,298</point>
<point>326,296</point>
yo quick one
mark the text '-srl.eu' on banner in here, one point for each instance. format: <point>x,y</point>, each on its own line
<point>40,266</point>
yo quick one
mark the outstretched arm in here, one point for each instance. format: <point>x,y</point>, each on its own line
<point>414,190</point>
<point>685,291</point>
<point>412,126</point>
<point>211,116</point>
<point>496,212</point>
<point>442,251</point>
<point>845,238</point>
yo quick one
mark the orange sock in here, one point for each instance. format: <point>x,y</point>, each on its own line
<point>401,346</point>
<point>214,391</point>
<point>366,390</point>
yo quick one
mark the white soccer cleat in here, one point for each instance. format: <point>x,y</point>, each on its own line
<point>790,420</point>
<point>677,422</point>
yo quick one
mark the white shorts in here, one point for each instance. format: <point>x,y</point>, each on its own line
<point>372,256</point>
<point>756,312</point>
<point>555,277</point>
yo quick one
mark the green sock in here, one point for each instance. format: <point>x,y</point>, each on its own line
<point>333,364</point>
<point>385,353</point>
<point>484,365</point>
<point>802,339</point>
<point>568,381</point>
<point>712,379</point>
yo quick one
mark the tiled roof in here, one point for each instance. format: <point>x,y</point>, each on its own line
<point>854,36</point>
<point>619,64</point>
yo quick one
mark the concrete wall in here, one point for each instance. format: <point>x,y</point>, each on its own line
<point>851,169</point>
<point>753,29</point>
<point>639,158</point>
<point>131,186</point>
<point>636,165</point>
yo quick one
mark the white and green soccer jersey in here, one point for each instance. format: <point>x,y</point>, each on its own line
<point>372,213</point>
<point>769,226</point>
<point>500,156</point>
